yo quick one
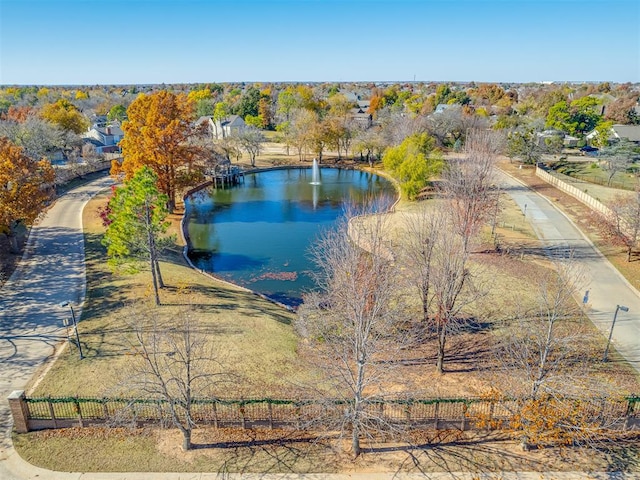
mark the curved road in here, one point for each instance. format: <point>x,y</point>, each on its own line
<point>52,271</point>
<point>607,287</point>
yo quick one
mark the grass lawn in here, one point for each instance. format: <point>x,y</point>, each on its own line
<point>254,336</point>
<point>258,345</point>
<point>246,451</point>
<point>590,171</point>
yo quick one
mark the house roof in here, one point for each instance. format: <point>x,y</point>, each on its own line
<point>93,141</point>
<point>234,121</point>
<point>630,132</point>
<point>113,130</point>
<point>203,119</point>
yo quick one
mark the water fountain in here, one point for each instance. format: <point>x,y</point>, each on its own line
<point>315,173</point>
<point>257,236</point>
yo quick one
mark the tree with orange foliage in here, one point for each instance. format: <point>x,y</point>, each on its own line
<point>157,134</point>
<point>23,191</point>
<point>18,114</point>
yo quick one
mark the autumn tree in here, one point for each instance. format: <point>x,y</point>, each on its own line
<point>623,110</point>
<point>65,115</point>
<point>136,224</point>
<point>300,131</point>
<point>413,163</point>
<point>350,321</point>
<point>157,135</point>
<point>369,145</point>
<point>24,189</point>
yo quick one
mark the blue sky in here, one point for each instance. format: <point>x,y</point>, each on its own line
<point>155,41</point>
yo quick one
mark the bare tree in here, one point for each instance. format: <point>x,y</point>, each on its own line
<point>175,363</point>
<point>451,287</point>
<point>469,184</point>
<point>396,127</point>
<point>420,238</point>
<point>618,157</point>
<point>451,125</point>
<point>621,225</point>
<point>350,321</point>
<point>251,140</point>
<point>545,353</point>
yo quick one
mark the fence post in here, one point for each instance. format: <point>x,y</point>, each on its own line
<point>464,417</point>
<point>52,413</point>
<point>215,414</point>
<point>19,411</point>
<point>270,408</point>
<point>242,414</point>
<point>436,411</point>
<point>105,410</point>
<point>76,406</point>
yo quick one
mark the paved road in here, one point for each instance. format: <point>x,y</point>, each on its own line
<point>52,271</point>
<point>607,288</point>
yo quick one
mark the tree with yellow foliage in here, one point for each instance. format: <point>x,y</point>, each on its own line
<point>157,135</point>
<point>66,115</point>
<point>23,191</point>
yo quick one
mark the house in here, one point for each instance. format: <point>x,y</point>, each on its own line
<point>567,140</point>
<point>361,118</point>
<point>228,126</point>
<point>105,138</point>
<point>619,132</point>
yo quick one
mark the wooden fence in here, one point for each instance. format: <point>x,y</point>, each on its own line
<point>438,413</point>
<point>576,193</point>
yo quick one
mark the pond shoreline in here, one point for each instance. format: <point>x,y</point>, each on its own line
<point>187,244</point>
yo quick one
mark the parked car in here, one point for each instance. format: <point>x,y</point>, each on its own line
<point>589,150</point>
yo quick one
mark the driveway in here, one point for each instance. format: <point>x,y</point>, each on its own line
<point>606,286</point>
<point>52,271</point>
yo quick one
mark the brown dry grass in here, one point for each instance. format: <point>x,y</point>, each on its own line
<point>260,346</point>
<point>254,336</point>
<point>247,451</point>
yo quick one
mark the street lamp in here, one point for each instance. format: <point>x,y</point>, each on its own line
<point>75,325</point>
<point>613,324</point>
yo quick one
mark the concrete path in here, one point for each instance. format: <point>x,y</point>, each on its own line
<point>606,286</point>
<point>52,271</point>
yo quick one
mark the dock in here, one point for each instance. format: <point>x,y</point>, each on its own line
<point>225,176</point>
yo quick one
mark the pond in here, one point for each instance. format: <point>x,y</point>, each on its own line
<point>257,234</point>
